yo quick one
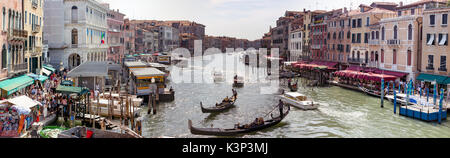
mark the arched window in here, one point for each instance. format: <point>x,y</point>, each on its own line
<point>74,14</point>
<point>382,33</point>
<point>382,56</point>
<point>4,56</point>
<point>74,36</point>
<point>348,35</point>
<point>409,32</point>
<point>395,32</point>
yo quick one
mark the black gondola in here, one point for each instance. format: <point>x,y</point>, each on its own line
<point>235,131</point>
<point>219,108</point>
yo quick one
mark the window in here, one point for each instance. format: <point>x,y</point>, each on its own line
<point>410,32</point>
<point>334,35</point>
<point>382,56</point>
<point>430,62</point>
<point>432,20</point>
<point>366,37</point>
<point>26,17</point>
<point>430,39</point>
<point>378,35</point>
<point>348,48</point>
<point>443,39</point>
<point>354,23</point>
<point>443,65</point>
<point>409,57</point>
<point>399,13</point>
<point>395,32</point>
<point>74,14</point>
<point>368,21</point>
<point>413,11</point>
<point>359,22</point>
<point>353,38</point>
<point>358,37</point>
<point>444,19</point>
<point>74,36</point>
<point>394,57</point>
<point>348,35</point>
<point>382,33</point>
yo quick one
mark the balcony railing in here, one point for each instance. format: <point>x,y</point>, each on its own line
<point>15,34</point>
<point>393,42</point>
<point>374,42</point>
<point>315,46</point>
<point>36,28</point>
<point>17,68</point>
<point>355,60</point>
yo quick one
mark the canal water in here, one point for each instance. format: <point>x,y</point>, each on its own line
<point>343,113</point>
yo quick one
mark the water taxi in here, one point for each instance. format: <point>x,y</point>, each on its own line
<point>299,101</point>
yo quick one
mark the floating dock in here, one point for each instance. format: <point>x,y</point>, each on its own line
<point>426,113</point>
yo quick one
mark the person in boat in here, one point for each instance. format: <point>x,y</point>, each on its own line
<point>280,107</point>
<point>226,100</point>
<point>234,94</point>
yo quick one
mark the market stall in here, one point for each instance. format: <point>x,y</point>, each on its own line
<point>17,115</point>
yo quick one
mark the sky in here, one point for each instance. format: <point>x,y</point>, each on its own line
<point>248,19</point>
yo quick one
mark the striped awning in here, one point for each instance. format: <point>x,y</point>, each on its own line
<point>15,84</point>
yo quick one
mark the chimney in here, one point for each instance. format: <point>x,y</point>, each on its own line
<point>304,10</point>
<point>401,4</point>
<point>345,10</point>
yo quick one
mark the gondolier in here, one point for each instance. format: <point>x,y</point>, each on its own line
<point>280,107</point>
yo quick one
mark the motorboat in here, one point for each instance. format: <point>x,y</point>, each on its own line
<point>299,100</point>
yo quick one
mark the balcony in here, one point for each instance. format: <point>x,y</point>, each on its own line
<point>14,69</point>
<point>374,42</point>
<point>393,42</point>
<point>315,47</point>
<point>355,60</point>
<point>36,28</point>
<point>36,52</point>
<point>17,35</point>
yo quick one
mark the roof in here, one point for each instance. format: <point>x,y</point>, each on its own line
<point>90,69</point>
<point>420,3</point>
<point>24,102</point>
<point>147,72</point>
<point>385,3</point>
<point>158,65</point>
<point>135,64</point>
<point>69,89</point>
<point>294,94</point>
<point>15,84</point>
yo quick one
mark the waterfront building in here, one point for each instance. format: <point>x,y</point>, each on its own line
<point>151,41</point>
<point>401,38</point>
<point>12,39</point>
<point>129,31</point>
<point>436,51</point>
<point>361,32</point>
<point>75,31</point>
<point>280,34</point>
<point>336,36</point>
<point>33,23</point>
<point>116,33</point>
<point>296,44</point>
<point>168,38</point>
<point>318,37</point>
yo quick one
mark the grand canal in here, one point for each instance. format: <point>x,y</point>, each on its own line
<point>343,113</point>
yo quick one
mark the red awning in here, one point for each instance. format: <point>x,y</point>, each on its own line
<point>393,73</point>
<point>365,76</point>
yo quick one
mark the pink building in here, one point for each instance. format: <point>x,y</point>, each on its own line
<point>12,38</point>
<point>116,35</point>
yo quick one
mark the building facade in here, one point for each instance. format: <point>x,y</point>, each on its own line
<point>33,23</point>
<point>116,33</point>
<point>76,32</point>
<point>13,38</point>
<point>361,31</point>
<point>436,50</point>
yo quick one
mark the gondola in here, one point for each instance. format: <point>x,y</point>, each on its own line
<point>238,82</point>
<point>220,108</point>
<point>235,131</point>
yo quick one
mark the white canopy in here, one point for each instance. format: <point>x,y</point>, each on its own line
<point>443,40</point>
<point>23,104</point>
<point>46,72</point>
<point>430,42</point>
<point>294,94</point>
